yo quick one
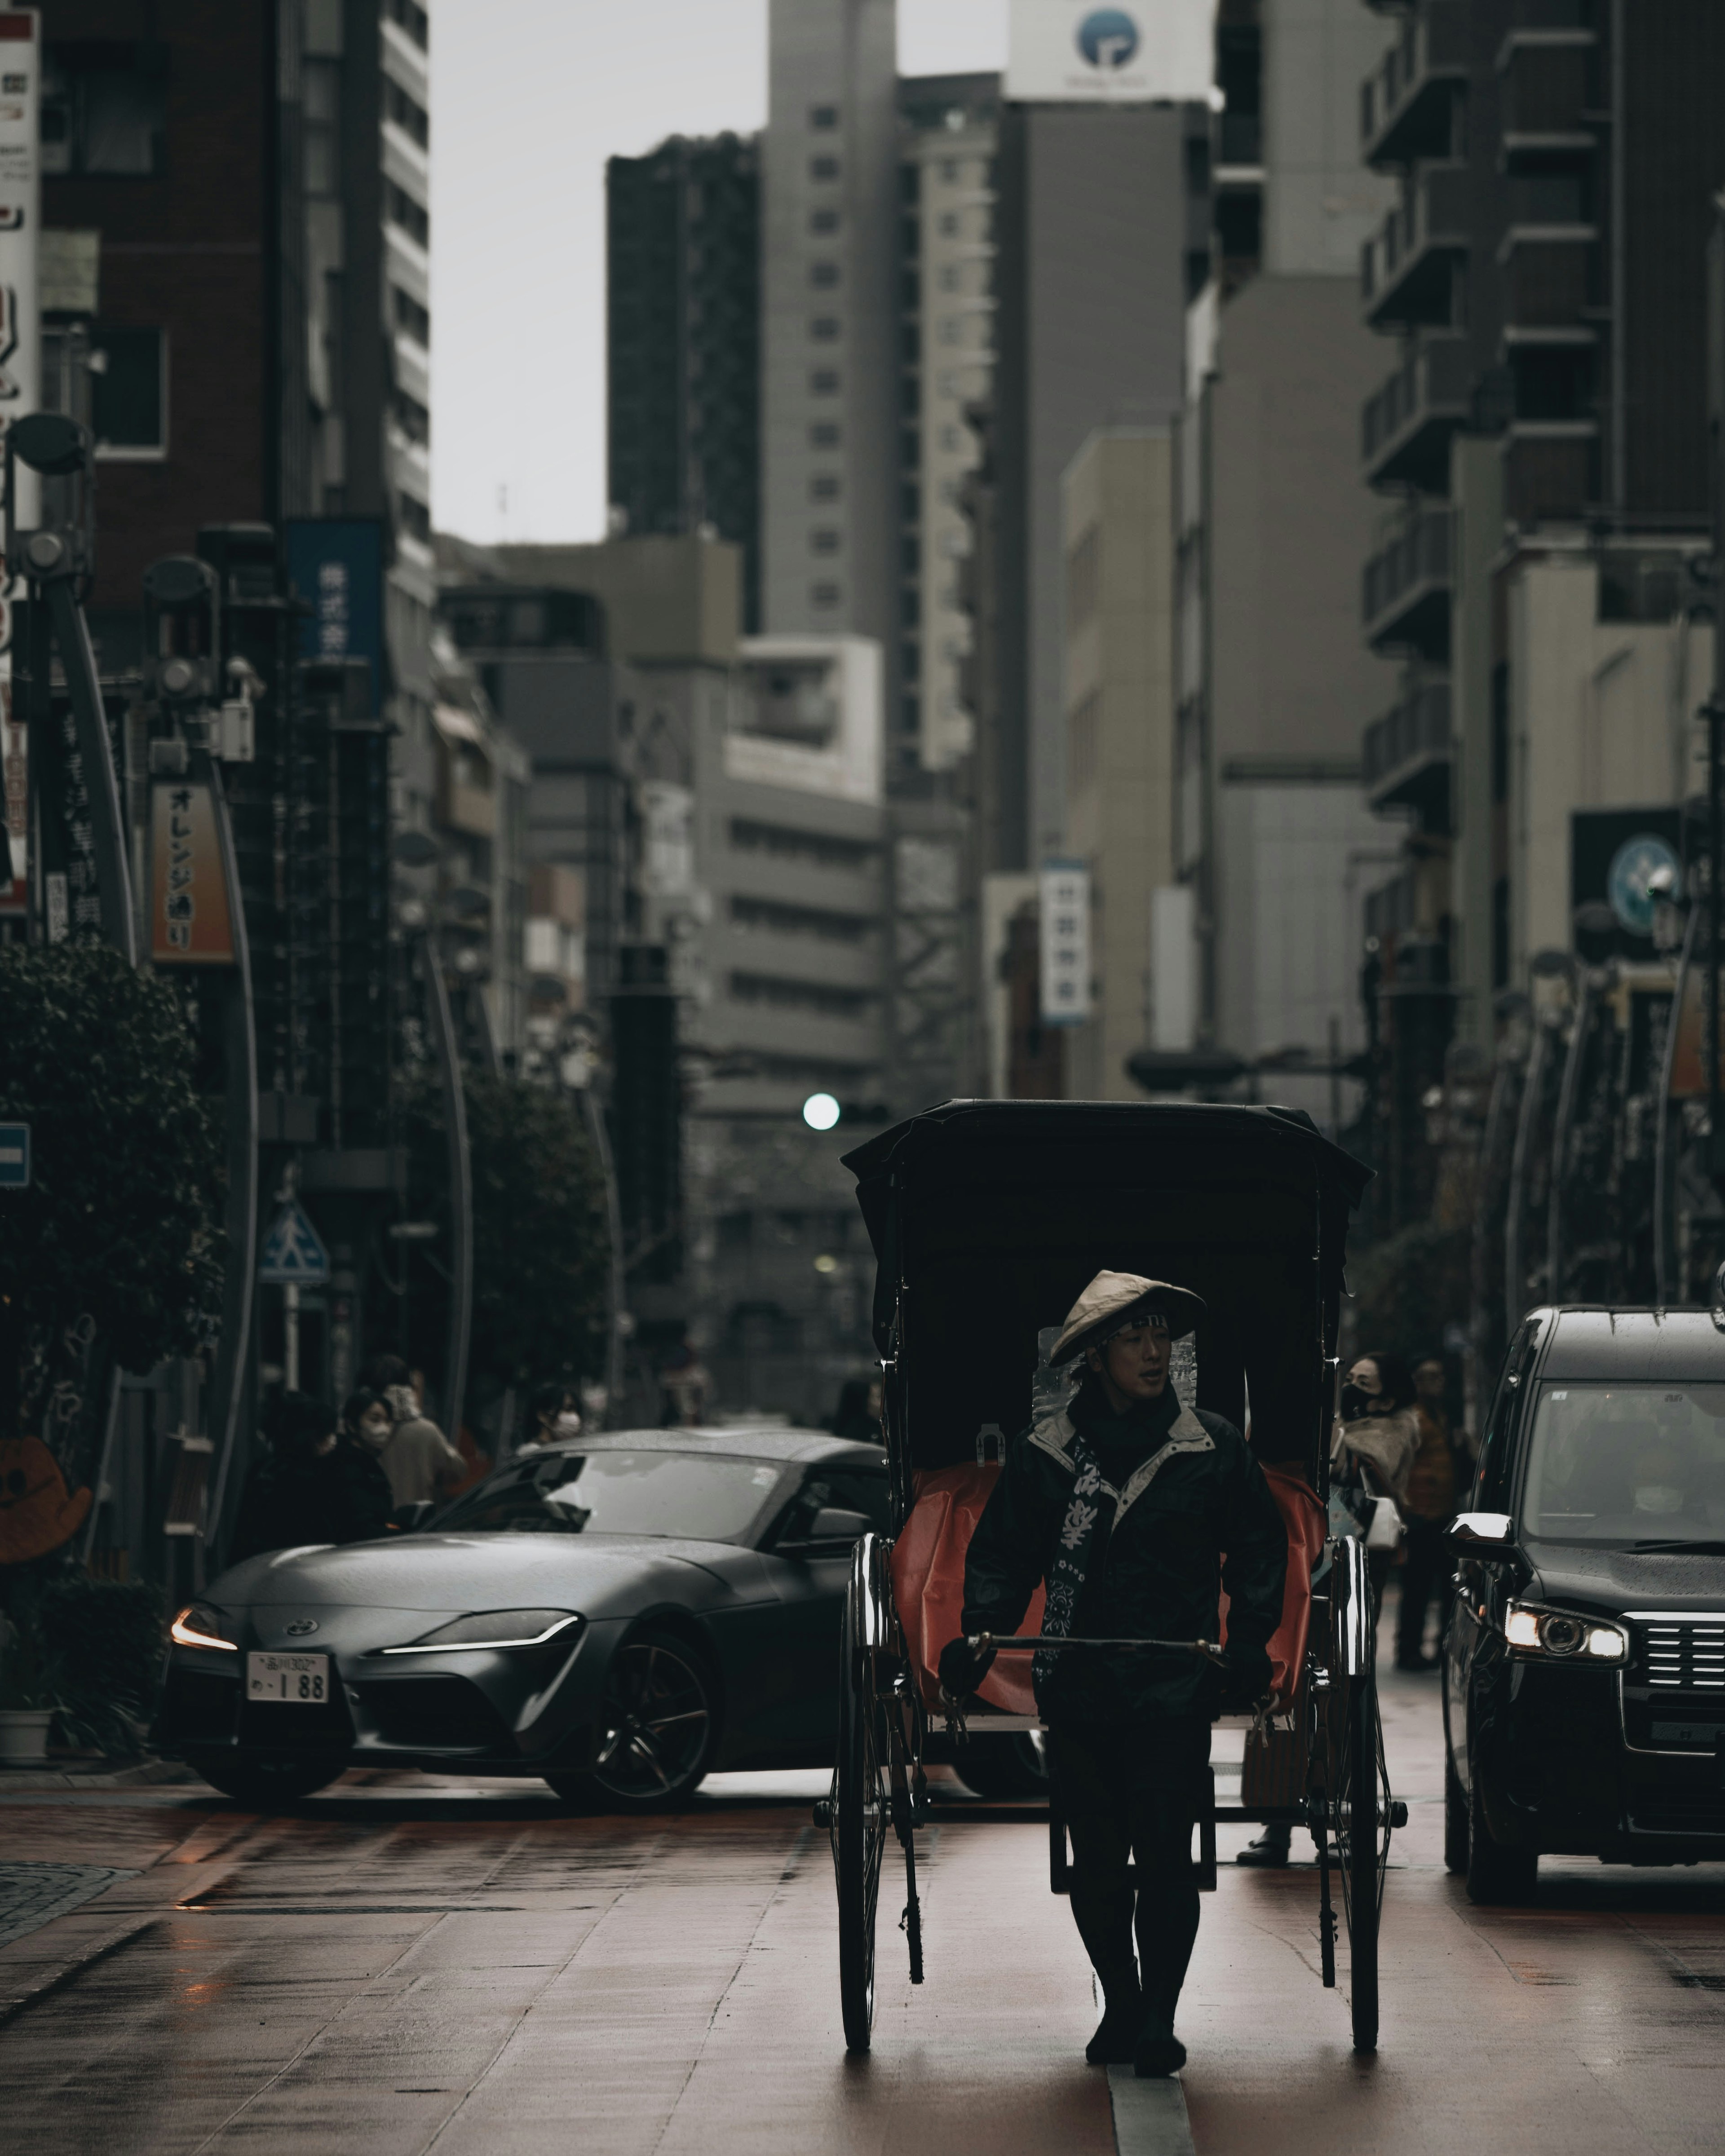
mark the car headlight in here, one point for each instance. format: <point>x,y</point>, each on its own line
<point>494,1628</point>
<point>200,1625</point>
<point>1563,1636</point>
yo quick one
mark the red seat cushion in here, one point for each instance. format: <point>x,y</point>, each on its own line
<point>1303,1517</point>
<point>928,1583</point>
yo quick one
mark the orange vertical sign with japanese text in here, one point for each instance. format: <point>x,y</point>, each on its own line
<point>191,907</point>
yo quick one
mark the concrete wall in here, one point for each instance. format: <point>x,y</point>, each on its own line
<point>1118,508</point>
<point>1600,718</point>
<point>1477,508</point>
<point>1319,201</point>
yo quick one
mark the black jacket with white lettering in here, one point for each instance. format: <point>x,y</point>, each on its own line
<point>1156,1573</point>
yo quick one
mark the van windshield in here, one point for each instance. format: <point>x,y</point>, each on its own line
<point>1639,1465</point>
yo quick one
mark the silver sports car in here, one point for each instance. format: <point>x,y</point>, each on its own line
<point>620,1613</point>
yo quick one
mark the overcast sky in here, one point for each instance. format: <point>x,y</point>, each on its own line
<point>528,99</point>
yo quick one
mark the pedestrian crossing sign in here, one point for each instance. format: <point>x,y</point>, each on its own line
<point>294,1255</point>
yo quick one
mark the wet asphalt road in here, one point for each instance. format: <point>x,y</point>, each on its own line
<point>405,1965</point>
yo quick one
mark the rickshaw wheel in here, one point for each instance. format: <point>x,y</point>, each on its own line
<point>1360,1785</point>
<point>859,1819</point>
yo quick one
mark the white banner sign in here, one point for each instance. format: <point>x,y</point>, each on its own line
<point>1065,942</point>
<point>1062,51</point>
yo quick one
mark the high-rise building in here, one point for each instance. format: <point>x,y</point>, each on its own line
<point>948,136</point>
<point>1273,839</point>
<point>684,344</point>
<point>1103,234</point>
<point>829,323</point>
<point>1540,439</point>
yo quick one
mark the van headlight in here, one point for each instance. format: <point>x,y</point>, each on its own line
<point>1563,1636</point>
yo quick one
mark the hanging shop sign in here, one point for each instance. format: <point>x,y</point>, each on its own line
<point>20,376</point>
<point>1065,892</point>
<point>191,907</point>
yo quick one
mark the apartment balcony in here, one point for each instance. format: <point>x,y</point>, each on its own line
<point>1407,107</point>
<point>1408,266</point>
<point>1405,427</point>
<point>1550,470</point>
<point>1549,272</point>
<point>1405,597</point>
<point>1407,755</point>
<point>1548,89</point>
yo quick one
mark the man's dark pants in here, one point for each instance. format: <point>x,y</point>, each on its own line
<point>1424,1556</point>
<point>1131,1794</point>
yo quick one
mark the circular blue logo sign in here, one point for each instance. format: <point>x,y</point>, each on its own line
<point>1108,39</point>
<point>1633,866</point>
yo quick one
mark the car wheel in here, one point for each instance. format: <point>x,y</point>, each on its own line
<point>266,1784</point>
<point>1455,1819</point>
<point>659,1723</point>
<point>1014,1763</point>
<point>1496,1872</point>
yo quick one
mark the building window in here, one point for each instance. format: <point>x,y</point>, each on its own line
<point>103,110</point>
<point>412,417</point>
<point>823,487</point>
<point>823,274</point>
<point>824,329</point>
<point>401,209</point>
<point>949,224</point>
<point>413,516</point>
<point>822,168</point>
<point>825,220</point>
<point>406,15</point>
<point>823,542</point>
<point>824,595</point>
<point>321,125</point>
<point>823,435</point>
<point>411,319</point>
<point>823,382</point>
<point>128,402</point>
<point>952,438</point>
<point>949,278</point>
<point>408,114</point>
<point>823,115</point>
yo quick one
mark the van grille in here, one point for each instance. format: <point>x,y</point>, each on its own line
<point>1689,1657</point>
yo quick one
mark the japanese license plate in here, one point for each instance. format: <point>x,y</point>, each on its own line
<point>294,1680</point>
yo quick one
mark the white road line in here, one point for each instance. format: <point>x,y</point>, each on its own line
<point>1149,2117</point>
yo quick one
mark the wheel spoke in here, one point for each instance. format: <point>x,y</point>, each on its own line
<point>666,1721</point>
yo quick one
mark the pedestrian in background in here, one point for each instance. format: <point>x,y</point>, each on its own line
<point>421,1463</point>
<point>1428,1509</point>
<point>317,1483</point>
<point>684,1389</point>
<point>555,1415</point>
<point>1372,1451</point>
<point>858,1414</point>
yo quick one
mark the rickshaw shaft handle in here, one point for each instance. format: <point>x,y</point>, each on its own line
<point>980,1643</point>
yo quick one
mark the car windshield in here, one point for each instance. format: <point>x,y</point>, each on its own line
<point>1634,1464</point>
<point>708,1498</point>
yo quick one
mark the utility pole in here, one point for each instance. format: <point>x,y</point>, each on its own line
<point>1715,702</point>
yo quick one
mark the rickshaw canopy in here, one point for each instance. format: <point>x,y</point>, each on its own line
<point>988,1218</point>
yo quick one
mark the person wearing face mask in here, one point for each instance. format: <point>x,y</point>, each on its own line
<point>421,1463</point>
<point>1124,1503</point>
<point>555,1415</point>
<point>1376,1442</point>
<point>318,1482</point>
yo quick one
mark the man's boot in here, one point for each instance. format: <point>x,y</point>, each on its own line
<point>1115,2042</point>
<point>1272,1847</point>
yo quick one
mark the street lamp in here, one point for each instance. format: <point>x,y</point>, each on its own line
<point>820,1112</point>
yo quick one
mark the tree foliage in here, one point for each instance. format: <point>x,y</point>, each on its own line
<point>540,1242</point>
<point>1408,1287</point>
<point>121,1226</point>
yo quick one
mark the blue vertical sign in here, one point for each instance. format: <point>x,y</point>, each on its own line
<point>336,564</point>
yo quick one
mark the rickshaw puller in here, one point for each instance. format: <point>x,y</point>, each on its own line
<point>1123,1503</point>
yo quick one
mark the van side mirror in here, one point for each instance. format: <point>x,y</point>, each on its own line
<point>405,1518</point>
<point>1486,1535</point>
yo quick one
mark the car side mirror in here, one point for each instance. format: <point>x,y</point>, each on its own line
<point>405,1518</point>
<point>1487,1535</point>
<point>832,1523</point>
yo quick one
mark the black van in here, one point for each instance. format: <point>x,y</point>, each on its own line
<point>1584,1654</point>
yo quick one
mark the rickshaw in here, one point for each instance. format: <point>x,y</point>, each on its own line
<point>987,1219</point>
